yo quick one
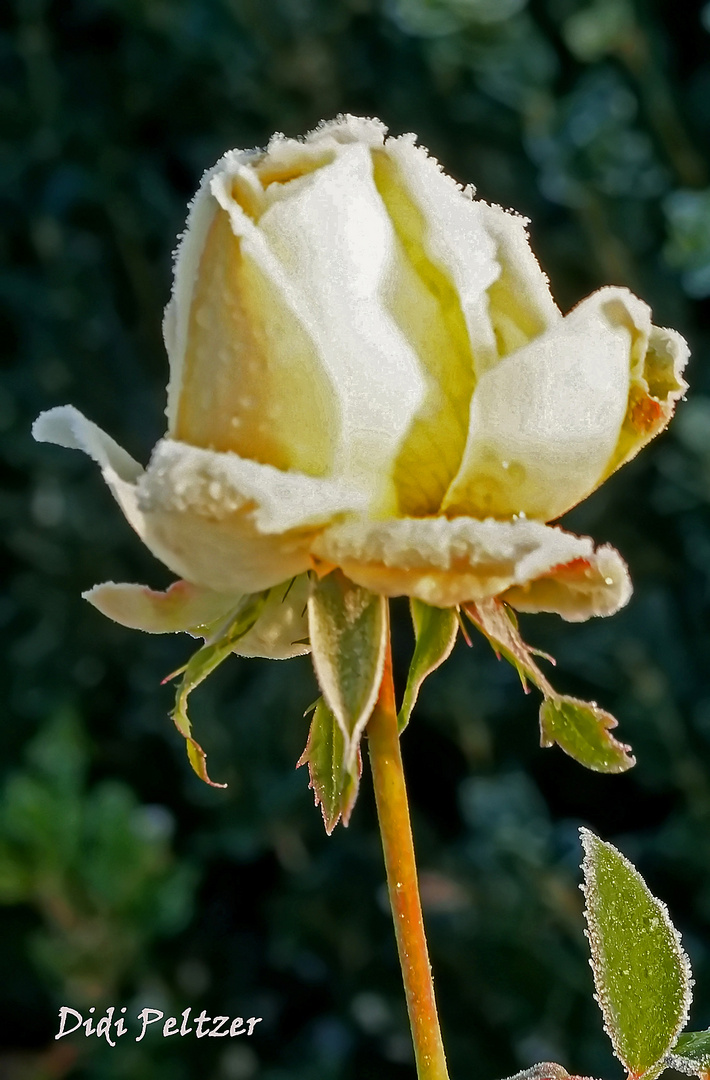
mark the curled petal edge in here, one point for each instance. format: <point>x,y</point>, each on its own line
<point>66,426</point>
<point>280,632</point>
<point>531,566</point>
<point>214,519</point>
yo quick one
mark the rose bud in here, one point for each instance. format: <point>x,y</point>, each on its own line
<point>368,371</point>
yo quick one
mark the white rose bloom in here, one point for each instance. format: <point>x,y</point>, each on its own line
<point>368,371</point>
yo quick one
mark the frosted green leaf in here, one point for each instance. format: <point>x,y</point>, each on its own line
<point>334,785</point>
<point>641,973</point>
<point>435,630</point>
<point>691,1054</point>
<point>580,728</point>
<point>546,1070</point>
<point>202,663</point>
<point>348,630</point>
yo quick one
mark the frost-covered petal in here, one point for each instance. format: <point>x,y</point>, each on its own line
<point>598,584</point>
<point>657,384</point>
<point>214,519</point>
<point>521,306</point>
<point>182,607</point>
<point>448,562</point>
<point>436,291</point>
<point>335,243</point>
<point>66,426</point>
<point>289,355</point>
<point>280,632</point>
<point>251,378</point>
<point>234,525</point>
<point>546,420</point>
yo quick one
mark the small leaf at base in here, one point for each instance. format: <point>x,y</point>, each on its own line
<point>582,730</point>
<point>334,785</point>
<point>641,973</point>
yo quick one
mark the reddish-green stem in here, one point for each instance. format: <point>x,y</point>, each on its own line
<point>396,831</point>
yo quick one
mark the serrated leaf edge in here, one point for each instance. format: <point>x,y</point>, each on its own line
<point>353,776</point>
<point>606,723</point>
<point>588,838</point>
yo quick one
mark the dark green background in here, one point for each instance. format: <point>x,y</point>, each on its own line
<point>124,880</point>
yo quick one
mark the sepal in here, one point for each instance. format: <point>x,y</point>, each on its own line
<point>580,728</point>
<point>202,663</point>
<point>333,781</point>
<point>349,629</point>
<point>435,631</point>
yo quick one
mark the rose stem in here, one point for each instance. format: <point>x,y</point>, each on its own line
<point>396,831</point>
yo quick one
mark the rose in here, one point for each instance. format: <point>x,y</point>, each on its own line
<point>368,371</point>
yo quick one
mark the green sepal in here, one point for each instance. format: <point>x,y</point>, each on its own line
<point>641,972</point>
<point>435,631</point>
<point>691,1054</point>
<point>580,728</point>
<point>202,663</point>
<point>349,630</point>
<point>334,784</point>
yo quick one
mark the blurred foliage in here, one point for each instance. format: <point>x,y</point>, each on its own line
<point>94,863</point>
<point>593,118</point>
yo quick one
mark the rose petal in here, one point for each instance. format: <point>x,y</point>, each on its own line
<point>214,519</point>
<point>230,524</point>
<point>65,426</point>
<point>281,630</point>
<point>521,306</point>
<point>336,245</point>
<point>282,156</point>
<point>451,228</point>
<point>449,562</point>
<point>442,266</point>
<point>577,590</point>
<point>251,377</point>
<point>182,607</point>
<point>657,384</point>
<point>546,420</point>
<point>279,633</point>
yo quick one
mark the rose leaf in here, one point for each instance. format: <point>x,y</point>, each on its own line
<point>641,972</point>
<point>691,1054</point>
<point>582,730</point>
